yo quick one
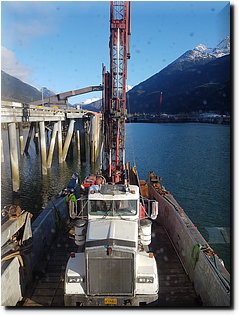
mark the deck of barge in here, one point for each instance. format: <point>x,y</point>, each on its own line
<point>48,288</point>
<point>175,288</point>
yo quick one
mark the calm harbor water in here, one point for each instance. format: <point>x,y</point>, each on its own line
<point>192,159</point>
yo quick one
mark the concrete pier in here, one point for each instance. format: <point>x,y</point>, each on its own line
<point>39,119</point>
<point>43,147</point>
<point>12,135</point>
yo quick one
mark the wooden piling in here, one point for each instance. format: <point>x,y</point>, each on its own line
<point>60,142</point>
<point>28,139</point>
<point>21,139</point>
<point>52,145</point>
<point>43,147</point>
<point>68,139</point>
<point>12,136</point>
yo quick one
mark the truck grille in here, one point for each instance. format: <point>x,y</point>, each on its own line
<point>109,274</point>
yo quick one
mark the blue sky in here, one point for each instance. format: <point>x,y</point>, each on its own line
<point>62,45</point>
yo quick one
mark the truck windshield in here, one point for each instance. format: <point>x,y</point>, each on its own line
<point>113,207</point>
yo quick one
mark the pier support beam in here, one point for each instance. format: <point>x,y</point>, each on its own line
<point>21,139</point>
<point>68,139</point>
<point>36,137</point>
<point>97,145</point>
<point>60,142</point>
<point>78,142</point>
<point>12,136</point>
<point>43,147</point>
<point>52,145</point>
<point>94,138</point>
<point>28,139</point>
<point>2,153</point>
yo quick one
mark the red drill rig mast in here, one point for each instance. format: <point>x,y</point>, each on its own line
<point>114,92</point>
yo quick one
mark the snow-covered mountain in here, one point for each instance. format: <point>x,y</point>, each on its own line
<point>199,75</point>
<point>222,49</point>
<point>201,53</point>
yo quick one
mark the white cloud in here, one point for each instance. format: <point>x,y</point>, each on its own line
<point>23,32</point>
<point>90,100</point>
<point>12,66</point>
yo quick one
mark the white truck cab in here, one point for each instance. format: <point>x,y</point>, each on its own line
<point>113,267</point>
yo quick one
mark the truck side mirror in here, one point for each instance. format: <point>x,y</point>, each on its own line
<point>154,209</point>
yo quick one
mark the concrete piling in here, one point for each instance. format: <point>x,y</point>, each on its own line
<point>36,137</point>
<point>43,147</point>
<point>78,142</point>
<point>21,139</point>
<point>60,142</point>
<point>12,136</point>
<point>92,139</point>
<point>2,153</point>
<point>28,139</point>
<point>68,139</point>
<point>86,140</point>
<point>52,145</point>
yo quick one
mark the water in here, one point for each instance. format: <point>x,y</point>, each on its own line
<point>194,163</point>
<point>36,190</point>
<point>192,159</point>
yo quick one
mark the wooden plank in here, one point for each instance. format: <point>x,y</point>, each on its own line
<point>175,288</point>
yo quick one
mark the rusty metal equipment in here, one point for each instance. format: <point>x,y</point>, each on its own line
<point>114,92</point>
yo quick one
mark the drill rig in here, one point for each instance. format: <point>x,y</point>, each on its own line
<point>113,264</point>
<point>114,92</point>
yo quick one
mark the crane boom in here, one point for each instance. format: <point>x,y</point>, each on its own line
<point>114,91</point>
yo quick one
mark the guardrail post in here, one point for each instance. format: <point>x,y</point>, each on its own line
<point>43,147</point>
<point>12,136</point>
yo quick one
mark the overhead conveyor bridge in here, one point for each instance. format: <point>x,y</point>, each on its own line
<point>62,98</point>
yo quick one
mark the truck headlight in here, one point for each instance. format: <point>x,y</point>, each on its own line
<point>145,279</point>
<point>75,279</point>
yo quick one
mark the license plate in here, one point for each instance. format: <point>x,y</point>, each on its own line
<point>110,301</point>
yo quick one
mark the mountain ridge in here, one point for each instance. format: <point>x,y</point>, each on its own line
<point>198,80</point>
<point>13,89</point>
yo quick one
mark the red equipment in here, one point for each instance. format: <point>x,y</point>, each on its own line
<point>114,92</point>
